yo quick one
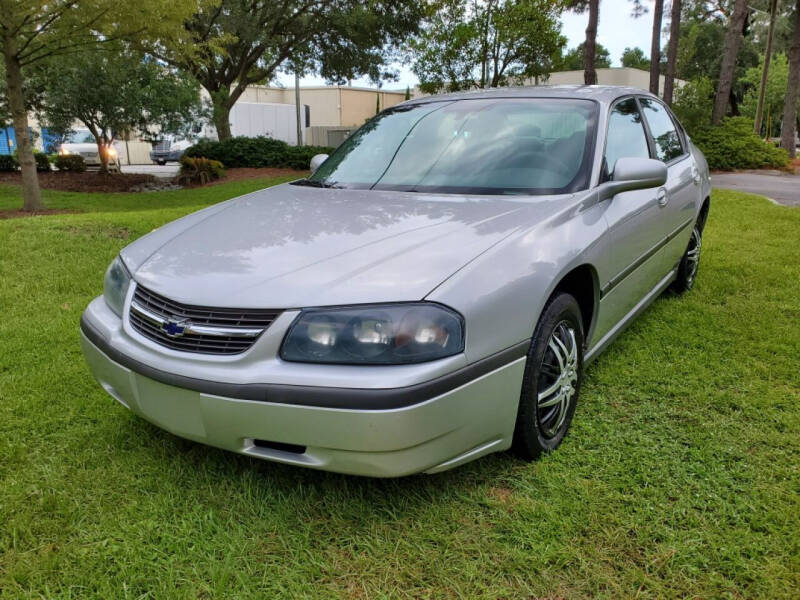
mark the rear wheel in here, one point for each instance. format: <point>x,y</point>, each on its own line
<point>552,381</point>
<point>690,262</point>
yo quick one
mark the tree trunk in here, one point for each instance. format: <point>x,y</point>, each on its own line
<point>655,46</point>
<point>672,51</point>
<point>773,8</point>
<point>733,39</point>
<point>789,122</point>
<point>31,198</point>
<point>590,47</point>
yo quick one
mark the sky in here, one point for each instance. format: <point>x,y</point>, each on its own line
<point>616,31</point>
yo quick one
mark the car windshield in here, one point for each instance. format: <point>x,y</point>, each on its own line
<point>488,146</point>
<point>81,136</point>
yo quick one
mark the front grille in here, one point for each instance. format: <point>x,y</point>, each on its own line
<point>162,146</point>
<point>199,329</point>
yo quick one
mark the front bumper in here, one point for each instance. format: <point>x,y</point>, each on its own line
<point>453,425</point>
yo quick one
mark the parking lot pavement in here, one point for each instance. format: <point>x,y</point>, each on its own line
<point>781,187</point>
<point>167,171</point>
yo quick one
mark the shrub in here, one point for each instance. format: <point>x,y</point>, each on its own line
<point>42,162</point>
<point>199,170</point>
<point>733,145</point>
<point>256,152</point>
<point>8,163</point>
<point>70,162</point>
<point>693,104</point>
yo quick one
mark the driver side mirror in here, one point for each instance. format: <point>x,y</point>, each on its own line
<point>634,174</point>
<point>317,160</point>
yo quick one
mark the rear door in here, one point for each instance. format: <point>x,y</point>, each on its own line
<point>678,202</point>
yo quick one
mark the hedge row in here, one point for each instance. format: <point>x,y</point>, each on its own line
<point>10,162</point>
<point>733,145</point>
<point>256,152</point>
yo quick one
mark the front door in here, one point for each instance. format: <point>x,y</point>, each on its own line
<point>635,226</point>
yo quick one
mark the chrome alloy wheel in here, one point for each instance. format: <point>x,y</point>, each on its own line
<point>693,255</point>
<point>558,379</point>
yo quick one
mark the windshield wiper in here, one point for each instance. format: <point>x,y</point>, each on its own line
<point>316,184</point>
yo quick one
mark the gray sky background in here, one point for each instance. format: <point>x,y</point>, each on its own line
<point>616,31</point>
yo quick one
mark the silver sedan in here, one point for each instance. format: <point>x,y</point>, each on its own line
<point>429,295</point>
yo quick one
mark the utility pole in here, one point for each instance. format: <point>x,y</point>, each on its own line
<point>773,9</point>
<point>297,108</point>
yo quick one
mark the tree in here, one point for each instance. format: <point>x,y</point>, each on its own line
<point>590,58</point>
<point>639,10</point>
<point>774,94</point>
<point>672,51</point>
<point>699,54</point>
<point>466,45</point>
<point>733,40</point>
<point>237,43</point>
<point>115,91</point>
<point>635,59</point>
<point>773,9</point>
<point>789,122</point>
<point>32,31</point>
<point>574,60</point>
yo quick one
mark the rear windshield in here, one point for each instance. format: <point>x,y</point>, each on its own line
<point>489,146</point>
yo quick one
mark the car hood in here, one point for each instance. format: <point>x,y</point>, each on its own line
<point>292,246</point>
<point>79,147</point>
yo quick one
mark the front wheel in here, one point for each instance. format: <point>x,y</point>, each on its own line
<point>690,263</point>
<point>552,381</point>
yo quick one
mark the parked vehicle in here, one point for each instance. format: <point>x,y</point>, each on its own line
<point>429,295</point>
<point>168,150</point>
<point>82,143</point>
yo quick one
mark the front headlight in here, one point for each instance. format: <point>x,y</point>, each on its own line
<point>118,279</point>
<point>374,335</point>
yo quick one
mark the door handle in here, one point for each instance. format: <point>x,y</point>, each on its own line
<point>662,197</point>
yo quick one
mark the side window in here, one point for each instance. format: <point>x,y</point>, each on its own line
<point>665,135</point>
<point>626,137</point>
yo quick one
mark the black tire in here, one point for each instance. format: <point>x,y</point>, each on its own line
<point>161,163</point>
<point>690,262</point>
<point>535,433</point>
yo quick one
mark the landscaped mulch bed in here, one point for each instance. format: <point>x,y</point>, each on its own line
<point>83,182</point>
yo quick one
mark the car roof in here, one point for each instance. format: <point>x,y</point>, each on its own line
<point>601,93</point>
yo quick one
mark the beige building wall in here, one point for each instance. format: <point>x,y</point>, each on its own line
<point>625,76</point>
<point>333,106</point>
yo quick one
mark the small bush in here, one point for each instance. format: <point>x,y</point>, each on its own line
<point>42,162</point>
<point>733,145</point>
<point>256,152</point>
<point>200,169</point>
<point>70,162</point>
<point>8,163</point>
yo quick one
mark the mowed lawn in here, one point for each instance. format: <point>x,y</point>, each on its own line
<point>679,477</point>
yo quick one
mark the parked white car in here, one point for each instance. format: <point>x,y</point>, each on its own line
<point>82,143</point>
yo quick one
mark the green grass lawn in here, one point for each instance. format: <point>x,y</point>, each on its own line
<point>679,477</point>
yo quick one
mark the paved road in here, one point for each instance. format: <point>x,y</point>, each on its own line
<point>780,187</point>
<point>167,171</point>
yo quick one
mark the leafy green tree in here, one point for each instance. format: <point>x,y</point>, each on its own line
<point>693,103</point>
<point>699,54</point>
<point>237,43</point>
<point>466,45</point>
<point>33,31</point>
<point>635,58</point>
<point>115,91</point>
<point>777,82</point>
<point>574,59</point>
